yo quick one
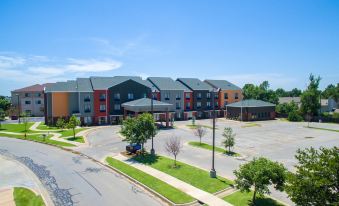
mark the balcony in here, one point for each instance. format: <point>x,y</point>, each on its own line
<point>102,110</point>
<point>178,98</point>
<point>177,107</point>
<point>167,98</point>
<point>87,111</point>
<point>87,100</point>
<point>116,99</point>
<point>188,108</point>
<point>102,99</point>
<point>188,98</point>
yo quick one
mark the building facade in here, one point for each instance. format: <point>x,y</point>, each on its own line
<point>29,99</point>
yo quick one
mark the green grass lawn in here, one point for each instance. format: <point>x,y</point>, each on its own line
<point>210,147</point>
<point>244,199</point>
<point>251,124</point>
<point>38,138</point>
<point>155,184</point>
<point>332,130</point>
<point>16,127</point>
<point>187,173</point>
<point>25,197</point>
<point>76,139</point>
<point>69,132</point>
<point>42,126</point>
<point>191,126</point>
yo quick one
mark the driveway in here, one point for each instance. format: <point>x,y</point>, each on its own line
<point>276,140</point>
<point>71,179</point>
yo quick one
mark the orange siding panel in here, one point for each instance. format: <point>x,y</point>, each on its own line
<point>60,104</point>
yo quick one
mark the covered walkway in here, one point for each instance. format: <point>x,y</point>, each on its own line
<point>161,110</point>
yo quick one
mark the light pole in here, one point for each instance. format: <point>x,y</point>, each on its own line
<point>213,173</point>
<point>19,109</point>
<point>152,150</point>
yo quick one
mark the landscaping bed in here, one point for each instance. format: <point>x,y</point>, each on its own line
<point>76,139</point>
<point>210,147</point>
<point>191,126</point>
<point>25,197</point>
<point>244,199</point>
<point>192,175</point>
<point>155,184</point>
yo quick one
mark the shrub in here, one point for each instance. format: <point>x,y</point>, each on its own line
<point>294,116</point>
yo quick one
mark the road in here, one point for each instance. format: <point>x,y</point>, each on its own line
<point>71,179</point>
<point>276,140</point>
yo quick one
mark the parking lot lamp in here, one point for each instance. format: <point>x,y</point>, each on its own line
<point>213,173</point>
<point>152,97</point>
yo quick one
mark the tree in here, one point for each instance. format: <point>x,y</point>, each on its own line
<point>259,174</point>
<point>229,138</point>
<point>295,92</point>
<point>2,114</point>
<point>60,123</point>
<point>200,132</point>
<point>331,91</point>
<point>250,91</point>
<point>294,116</point>
<point>173,146</point>
<point>310,97</point>
<point>24,119</point>
<point>261,92</point>
<point>139,129</point>
<point>73,122</point>
<point>316,180</point>
<point>5,104</point>
<point>281,92</point>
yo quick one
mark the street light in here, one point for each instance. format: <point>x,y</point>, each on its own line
<point>213,173</point>
<point>19,109</point>
<point>152,97</point>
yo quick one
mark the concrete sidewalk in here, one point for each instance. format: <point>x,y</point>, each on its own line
<point>6,197</point>
<point>198,194</point>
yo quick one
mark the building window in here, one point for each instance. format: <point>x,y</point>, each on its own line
<point>102,97</point>
<point>37,101</point>
<point>236,96</point>
<point>87,98</point>
<point>167,96</point>
<point>199,95</point>
<point>37,94</point>
<point>208,104</point>
<point>27,94</point>
<point>225,95</point>
<point>216,96</point>
<point>87,108</point>
<point>216,104</point>
<point>177,96</point>
<point>225,103</point>
<point>188,105</point>
<point>198,105</point>
<point>87,120</point>
<point>117,107</point>
<point>27,102</point>
<point>208,95</point>
<point>188,96</point>
<point>116,96</point>
<point>177,105</point>
<point>130,96</point>
<point>102,108</point>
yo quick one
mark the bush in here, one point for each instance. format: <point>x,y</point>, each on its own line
<point>294,116</point>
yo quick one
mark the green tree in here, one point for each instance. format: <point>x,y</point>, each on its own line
<point>229,138</point>
<point>5,104</point>
<point>310,97</point>
<point>295,92</point>
<point>250,91</point>
<point>281,92</point>
<point>259,174</point>
<point>73,122</point>
<point>2,114</point>
<point>286,108</point>
<point>316,180</point>
<point>139,129</point>
<point>61,123</point>
<point>24,119</point>
<point>294,116</point>
<point>261,92</point>
<point>331,91</point>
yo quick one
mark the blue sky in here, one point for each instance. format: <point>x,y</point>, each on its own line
<point>240,41</point>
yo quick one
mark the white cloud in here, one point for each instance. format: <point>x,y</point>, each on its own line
<point>40,69</point>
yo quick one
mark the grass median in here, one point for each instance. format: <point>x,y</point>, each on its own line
<point>155,184</point>
<point>76,139</point>
<point>25,197</point>
<point>191,126</point>
<point>192,175</point>
<point>20,128</point>
<point>210,147</point>
<point>245,199</point>
<point>38,138</point>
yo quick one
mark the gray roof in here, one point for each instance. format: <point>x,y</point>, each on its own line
<point>84,85</point>
<point>195,84</point>
<point>69,86</point>
<point>107,82</point>
<point>144,104</point>
<point>166,83</point>
<point>289,99</point>
<point>222,84</point>
<point>251,103</point>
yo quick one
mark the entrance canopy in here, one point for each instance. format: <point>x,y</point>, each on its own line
<point>144,105</point>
